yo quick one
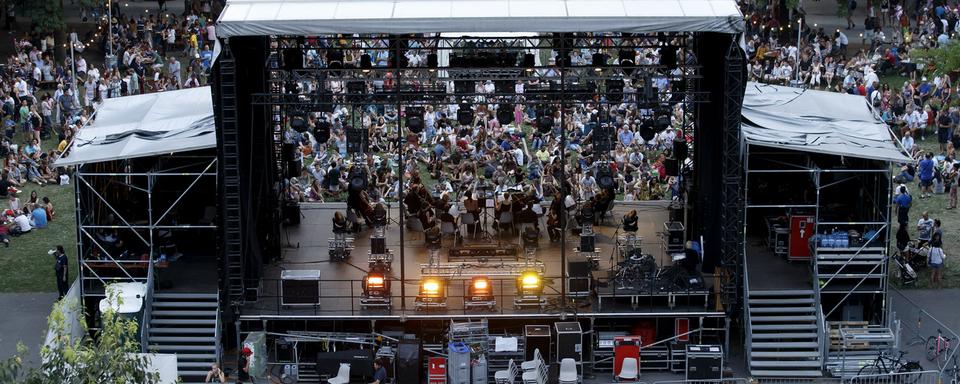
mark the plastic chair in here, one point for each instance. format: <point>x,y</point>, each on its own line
<point>629,370</point>
<point>505,219</point>
<point>506,376</point>
<point>448,228</point>
<point>568,371</point>
<point>466,220</point>
<point>343,375</point>
<point>534,364</point>
<point>538,376</point>
<point>414,225</point>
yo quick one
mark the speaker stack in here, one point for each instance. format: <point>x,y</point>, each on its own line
<point>356,140</point>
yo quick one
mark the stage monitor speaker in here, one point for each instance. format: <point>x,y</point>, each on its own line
<point>588,243</point>
<point>672,166</point>
<point>292,59</point>
<point>409,363</point>
<point>378,245</point>
<point>605,177</point>
<point>578,282</point>
<point>358,180</point>
<point>569,341</point>
<point>537,337</point>
<point>300,287</point>
<point>356,140</point>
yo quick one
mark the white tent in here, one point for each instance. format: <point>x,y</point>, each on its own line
<point>816,121</point>
<point>146,125</point>
<point>315,17</point>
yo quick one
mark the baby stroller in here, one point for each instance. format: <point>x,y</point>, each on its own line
<point>906,272</point>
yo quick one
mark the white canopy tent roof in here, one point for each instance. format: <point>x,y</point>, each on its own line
<point>146,125</point>
<point>816,121</point>
<point>315,17</point>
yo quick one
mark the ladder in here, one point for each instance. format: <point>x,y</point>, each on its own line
<point>230,163</point>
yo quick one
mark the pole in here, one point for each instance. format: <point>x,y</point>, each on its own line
<point>73,64</point>
<point>110,26</point>
<point>799,31</point>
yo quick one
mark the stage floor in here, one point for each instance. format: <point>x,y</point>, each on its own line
<point>341,288</point>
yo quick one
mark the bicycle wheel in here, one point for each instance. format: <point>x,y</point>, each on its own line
<point>866,370</point>
<point>931,347</point>
<point>909,378</point>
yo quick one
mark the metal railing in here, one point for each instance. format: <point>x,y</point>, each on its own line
<point>918,327</point>
<point>339,297</point>
<point>147,311</point>
<point>916,377</point>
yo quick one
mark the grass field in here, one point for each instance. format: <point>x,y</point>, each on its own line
<point>25,266</point>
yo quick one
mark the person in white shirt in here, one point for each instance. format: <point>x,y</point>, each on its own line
<point>908,143</point>
<point>21,223</point>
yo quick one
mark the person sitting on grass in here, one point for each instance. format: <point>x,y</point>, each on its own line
<point>21,223</point>
<point>39,217</point>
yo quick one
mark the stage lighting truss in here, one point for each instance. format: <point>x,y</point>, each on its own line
<point>508,59</point>
<point>529,290</point>
<point>480,294</point>
<point>376,290</point>
<point>432,294</point>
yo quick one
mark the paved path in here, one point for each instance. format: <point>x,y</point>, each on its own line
<point>24,319</point>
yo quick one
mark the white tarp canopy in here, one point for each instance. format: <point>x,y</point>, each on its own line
<point>816,121</point>
<point>316,17</point>
<point>146,125</point>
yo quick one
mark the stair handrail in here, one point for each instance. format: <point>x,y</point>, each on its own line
<point>147,312</point>
<point>822,336</point>
<point>748,323</point>
<point>853,256</point>
<point>216,336</point>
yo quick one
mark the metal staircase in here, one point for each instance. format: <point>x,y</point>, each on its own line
<point>186,324</point>
<point>847,271</point>
<point>784,334</point>
<point>230,164</point>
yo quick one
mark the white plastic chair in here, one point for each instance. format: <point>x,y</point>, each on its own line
<point>448,228</point>
<point>538,376</point>
<point>629,370</point>
<point>466,220</point>
<point>534,364</point>
<point>506,376</point>
<point>568,371</point>
<point>343,375</point>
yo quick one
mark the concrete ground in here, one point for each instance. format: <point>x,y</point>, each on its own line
<point>24,320</point>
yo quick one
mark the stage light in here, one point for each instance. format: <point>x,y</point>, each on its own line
<point>432,294</point>
<point>530,283</point>
<point>599,61</point>
<point>376,289</point>
<point>480,294</point>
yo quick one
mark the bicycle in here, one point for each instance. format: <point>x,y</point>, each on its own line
<point>885,364</point>
<point>938,348</point>
<point>953,373</point>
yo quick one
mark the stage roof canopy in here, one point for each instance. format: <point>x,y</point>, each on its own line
<point>316,17</point>
<point>146,125</point>
<point>816,121</point>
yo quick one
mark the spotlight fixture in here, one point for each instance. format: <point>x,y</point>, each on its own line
<point>414,119</point>
<point>376,290</point>
<point>432,294</point>
<point>480,294</point>
<point>599,61</point>
<point>529,290</point>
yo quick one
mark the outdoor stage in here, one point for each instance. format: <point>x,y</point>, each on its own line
<point>307,246</point>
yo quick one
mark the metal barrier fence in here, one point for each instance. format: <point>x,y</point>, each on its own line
<point>918,330</point>
<point>918,377</point>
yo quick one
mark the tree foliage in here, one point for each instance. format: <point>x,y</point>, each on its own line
<point>45,16</point>
<point>111,357</point>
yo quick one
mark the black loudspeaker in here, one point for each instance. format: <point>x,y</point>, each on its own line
<point>668,56</point>
<point>300,287</point>
<point>579,281</point>
<point>626,59</point>
<point>615,91</point>
<point>529,60</point>
<point>298,124</point>
<point>603,139</point>
<point>646,130</point>
<point>537,337</point>
<point>293,168</point>
<point>323,131</point>
<point>432,61</point>
<point>661,122</point>
<point>358,180</point>
<point>287,151</point>
<point>671,166</point>
<point>462,87</point>
<point>409,363</point>
<point>366,62</point>
<point>569,340</point>
<point>680,149</point>
<point>599,60</point>
<point>588,243</point>
<point>378,245</point>
<point>605,178</point>
<point>505,114</point>
<point>291,213</point>
<point>292,59</point>
<point>356,140</point>
<point>356,91</point>
<point>545,124</point>
<point>464,115</point>
<point>335,58</point>
<point>414,119</point>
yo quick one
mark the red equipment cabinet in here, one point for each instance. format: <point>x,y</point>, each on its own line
<point>624,347</point>
<point>802,228</point>
<point>437,370</point>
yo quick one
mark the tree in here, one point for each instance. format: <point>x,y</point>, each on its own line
<point>111,357</point>
<point>45,16</point>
